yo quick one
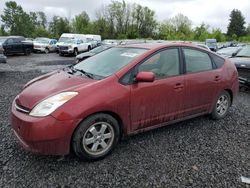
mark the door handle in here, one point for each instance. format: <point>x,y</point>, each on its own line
<point>178,86</point>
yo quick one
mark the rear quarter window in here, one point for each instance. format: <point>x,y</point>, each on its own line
<point>219,61</point>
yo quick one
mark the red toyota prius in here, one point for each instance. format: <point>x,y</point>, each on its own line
<point>88,107</point>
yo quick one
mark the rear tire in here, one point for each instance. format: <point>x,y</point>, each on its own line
<point>27,51</point>
<point>96,137</point>
<point>221,106</point>
<point>75,52</point>
<point>89,48</point>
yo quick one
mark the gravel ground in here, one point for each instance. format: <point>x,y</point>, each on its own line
<point>36,61</point>
<point>196,153</point>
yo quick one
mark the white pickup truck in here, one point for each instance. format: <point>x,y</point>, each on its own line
<point>74,46</point>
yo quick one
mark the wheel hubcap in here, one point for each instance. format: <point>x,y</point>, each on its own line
<point>98,138</point>
<point>222,105</point>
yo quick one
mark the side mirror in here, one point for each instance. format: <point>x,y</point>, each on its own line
<point>145,77</point>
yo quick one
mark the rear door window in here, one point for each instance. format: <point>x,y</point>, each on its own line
<point>197,61</point>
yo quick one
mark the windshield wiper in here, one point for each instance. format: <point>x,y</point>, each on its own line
<point>85,73</point>
<point>242,56</point>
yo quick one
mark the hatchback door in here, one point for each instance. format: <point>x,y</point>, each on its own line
<point>202,82</point>
<point>159,101</point>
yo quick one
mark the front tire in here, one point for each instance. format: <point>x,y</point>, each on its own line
<point>96,137</point>
<point>221,106</point>
<point>46,50</point>
<point>75,52</point>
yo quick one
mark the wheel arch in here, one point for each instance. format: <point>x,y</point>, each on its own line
<point>231,94</point>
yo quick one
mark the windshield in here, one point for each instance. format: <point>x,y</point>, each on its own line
<point>64,39</point>
<point>110,61</point>
<point>70,41</point>
<point>41,40</point>
<point>245,52</point>
<point>2,40</point>
<point>211,44</point>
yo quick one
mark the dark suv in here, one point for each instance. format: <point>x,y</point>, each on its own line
<point>15,45</point>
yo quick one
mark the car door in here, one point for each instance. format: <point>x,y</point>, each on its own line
<point>18,46</point>
<point>201,80</point>
<point>9,46</point>
<point>159,101</point>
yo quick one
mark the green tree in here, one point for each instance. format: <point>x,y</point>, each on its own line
<point>58,26</point>
<point>218,35</point>
<point>236,24</point>
<point>201,32</point>
<point>80,23</point>
<point>177,28</point>
<point>16,20</point>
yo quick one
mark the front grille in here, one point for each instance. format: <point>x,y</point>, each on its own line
<point>22,109</point>
<point>63,48</point>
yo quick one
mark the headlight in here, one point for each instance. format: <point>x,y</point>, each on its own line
<point>49,105</point>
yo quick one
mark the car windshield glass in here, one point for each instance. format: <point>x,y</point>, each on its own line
<point>110,61</point>
<point>211,44</point>
<point>43,41</point>
<point>2,40</point>
<point>245,52</point>
<point>64,39</point>
<point>70,41</point>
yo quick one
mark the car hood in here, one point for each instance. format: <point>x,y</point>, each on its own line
<point>48,85</point>
<point>241,62</point>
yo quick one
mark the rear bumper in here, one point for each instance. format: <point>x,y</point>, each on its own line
<point>45,135</point>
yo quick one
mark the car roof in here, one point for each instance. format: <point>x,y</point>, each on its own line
<point>151,46</point>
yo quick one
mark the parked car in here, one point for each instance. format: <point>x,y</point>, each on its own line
<point>124,90</point>
<point>110,42</point>
<point>15,45</point>
<point>229,51</point>
<point>45,45</point>
<point>95,40</point>
<point>212,44</point>
<point>74,46</point>
<point>92,52</point>
<point>242,63</point>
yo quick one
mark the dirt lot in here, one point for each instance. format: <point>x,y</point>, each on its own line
<point>195,153</point>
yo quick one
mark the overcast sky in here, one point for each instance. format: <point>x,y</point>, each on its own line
<point>212,12</point>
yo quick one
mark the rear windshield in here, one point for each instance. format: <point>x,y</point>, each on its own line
<point>110,61</point>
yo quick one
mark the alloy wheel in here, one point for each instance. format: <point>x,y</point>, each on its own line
<point>98,138</point>
<point>222,105</point>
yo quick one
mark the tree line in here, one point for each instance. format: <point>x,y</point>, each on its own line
<point>119,20</point>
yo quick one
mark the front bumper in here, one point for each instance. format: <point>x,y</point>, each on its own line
<point>69,51</point>
<point>46,135</point>
<point>40,49</point>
